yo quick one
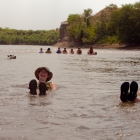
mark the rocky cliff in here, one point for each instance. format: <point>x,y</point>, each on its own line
<point>63,34</point>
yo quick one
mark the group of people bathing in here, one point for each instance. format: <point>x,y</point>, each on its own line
<point>128,92</point>
<point>47,51</point>
<point>79,51</point>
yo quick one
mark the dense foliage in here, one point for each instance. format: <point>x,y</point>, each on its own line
<point>29,37</point>
<point>114,25</point>
<point>111,25</point>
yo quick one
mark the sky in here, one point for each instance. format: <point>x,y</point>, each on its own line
<point>47,14</point>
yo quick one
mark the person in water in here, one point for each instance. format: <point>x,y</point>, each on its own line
<point>58,51</point>
<point>48,50</point>
<point>65,51</point>
<point>71,51</point>
<point>41,50</point>
<point>44,75</point>
<point>91,51</point>
<point>130,96</point>
<point>79,51</point>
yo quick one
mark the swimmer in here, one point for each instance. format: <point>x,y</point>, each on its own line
<point>44,75</point>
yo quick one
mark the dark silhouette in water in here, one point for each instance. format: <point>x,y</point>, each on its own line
<point>129,96</point>
<point>11,56</point>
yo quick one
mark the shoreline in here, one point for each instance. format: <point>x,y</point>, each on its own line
<point>65,44</point>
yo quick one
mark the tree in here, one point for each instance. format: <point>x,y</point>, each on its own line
<point>89,35</point>
<point>87,14</point>
<point>75,27</point>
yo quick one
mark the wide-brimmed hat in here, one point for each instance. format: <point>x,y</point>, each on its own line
<point>47,69</point>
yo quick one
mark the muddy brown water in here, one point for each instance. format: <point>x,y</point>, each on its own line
<point>86,105</point>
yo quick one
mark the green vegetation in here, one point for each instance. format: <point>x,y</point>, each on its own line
<point>28,37</point>
<point>111,25</point>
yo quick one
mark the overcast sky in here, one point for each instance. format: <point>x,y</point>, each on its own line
<point>47,14</point>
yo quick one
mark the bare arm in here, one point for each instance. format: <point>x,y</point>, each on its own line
<point>53,86</point>
<point>137,100</point>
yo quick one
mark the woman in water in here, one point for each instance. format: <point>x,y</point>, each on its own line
<point>71,51</point>
<point>44,75</point>
<point>41,50</point>
<point>48,50</point>
<point>79,51</point>
<point>91,51</point>
<point>65,51</point>
<point>58,51</point>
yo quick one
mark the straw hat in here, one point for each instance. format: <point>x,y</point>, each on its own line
<point>45,68</point>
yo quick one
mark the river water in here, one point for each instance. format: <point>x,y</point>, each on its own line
<point>86,105</point>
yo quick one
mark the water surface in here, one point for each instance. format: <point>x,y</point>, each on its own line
<point>86,105</point>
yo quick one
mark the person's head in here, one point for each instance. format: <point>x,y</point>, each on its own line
<point>41,49</point>
<point>58,48</point>
<point>43,74</point>
<point>64,48</point>
<point>49,49</point>
<point>71,50</point>
<point>78,48</point>
<point>91,50</point>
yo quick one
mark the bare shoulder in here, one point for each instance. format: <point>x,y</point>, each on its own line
<point>138,93</point>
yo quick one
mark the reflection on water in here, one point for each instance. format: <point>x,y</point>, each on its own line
<point>86,105</point>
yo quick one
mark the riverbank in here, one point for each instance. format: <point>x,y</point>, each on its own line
<point>102,46</point>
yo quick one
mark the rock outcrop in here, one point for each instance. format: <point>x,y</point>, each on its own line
<point>63,41</point>
<point>63,34</point>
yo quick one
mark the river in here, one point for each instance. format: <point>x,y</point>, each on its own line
<point>86,105</point>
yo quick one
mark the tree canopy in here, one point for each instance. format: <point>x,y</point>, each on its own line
<point>111,25</point>
<point>29,37</point>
